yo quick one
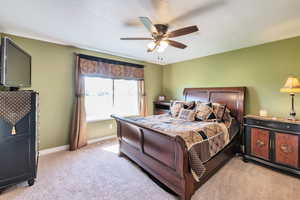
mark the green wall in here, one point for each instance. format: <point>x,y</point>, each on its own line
<point>262,69</point>
<point>53,78</point>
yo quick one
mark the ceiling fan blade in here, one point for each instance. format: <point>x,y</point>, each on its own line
<point>148,24</point>
<point>136,38</point>
<point>208,7</point>
<point>132,23</point>
<point>176,44</point>
<point>183,31</point>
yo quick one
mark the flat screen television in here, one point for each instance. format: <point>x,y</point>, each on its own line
<point>15,66</point>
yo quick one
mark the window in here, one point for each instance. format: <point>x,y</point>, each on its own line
<point>106,96</point>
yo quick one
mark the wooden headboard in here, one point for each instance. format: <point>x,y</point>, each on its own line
<point>233,97</point>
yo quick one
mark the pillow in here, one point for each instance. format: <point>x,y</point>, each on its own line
<point>226,116</point>
<point>204,111</point>
<point>219,111</point>
<point>175,109</point>
<point>187,114</point>
<point>189,104</point>
<point>177,105</point>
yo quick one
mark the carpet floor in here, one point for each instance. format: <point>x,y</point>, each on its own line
<point>97,173</point>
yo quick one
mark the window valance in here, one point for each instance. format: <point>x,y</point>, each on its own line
<point>95,66</point>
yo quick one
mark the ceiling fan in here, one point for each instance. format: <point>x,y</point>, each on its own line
<point>160,36</point>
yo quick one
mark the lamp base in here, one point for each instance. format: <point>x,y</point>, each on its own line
<point>292,116</point>
<point>292,113</point>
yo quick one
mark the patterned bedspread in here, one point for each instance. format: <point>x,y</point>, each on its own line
<point>203,139</point>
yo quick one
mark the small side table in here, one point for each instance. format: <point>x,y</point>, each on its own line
<point>161,107</point>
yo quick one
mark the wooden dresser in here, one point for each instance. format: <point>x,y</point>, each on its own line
<point>161,107</point>
<point>272,142</point>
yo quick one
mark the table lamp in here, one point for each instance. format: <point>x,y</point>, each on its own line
<point>291,86</point>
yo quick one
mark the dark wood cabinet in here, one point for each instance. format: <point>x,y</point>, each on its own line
<point>18,142</point>
<point>161,107</point>
<point>273,143</point>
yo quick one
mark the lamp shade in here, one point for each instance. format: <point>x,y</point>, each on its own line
<point>291,85</point>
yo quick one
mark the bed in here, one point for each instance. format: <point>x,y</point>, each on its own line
<point>166,156</point>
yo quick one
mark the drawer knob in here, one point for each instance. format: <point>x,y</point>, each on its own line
<point>260,143</point>
<point>286,148</point>
<point>288,126</point>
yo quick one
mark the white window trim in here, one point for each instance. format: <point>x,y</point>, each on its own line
<point>100,119</point>
<point>91,120</point>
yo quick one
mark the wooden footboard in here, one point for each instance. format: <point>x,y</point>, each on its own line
<point>164,157</point>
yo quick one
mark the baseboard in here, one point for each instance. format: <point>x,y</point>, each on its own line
<point>66,147</point>
<point>91,141</point>
<point>53,150</point>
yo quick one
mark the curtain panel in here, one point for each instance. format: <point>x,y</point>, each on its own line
<point>143,111</point>
<point>78,135</point>
<point>101,67</point>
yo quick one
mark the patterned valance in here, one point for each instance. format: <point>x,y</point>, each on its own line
<point>94,66</point>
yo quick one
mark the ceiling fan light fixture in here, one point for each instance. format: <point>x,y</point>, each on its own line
<point>151,45</point>
<point>162,46</point>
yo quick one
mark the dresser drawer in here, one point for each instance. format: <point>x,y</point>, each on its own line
<point>273,124</point>
<point>260,143</point>
<point>286,149</point>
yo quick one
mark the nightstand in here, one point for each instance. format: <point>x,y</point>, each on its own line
<point>161,107</point>
<point>272,142</point>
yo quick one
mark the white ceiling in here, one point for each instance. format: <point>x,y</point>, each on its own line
<point>98,24</point>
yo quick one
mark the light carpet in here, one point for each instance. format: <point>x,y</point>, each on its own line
<point>97,173</point>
